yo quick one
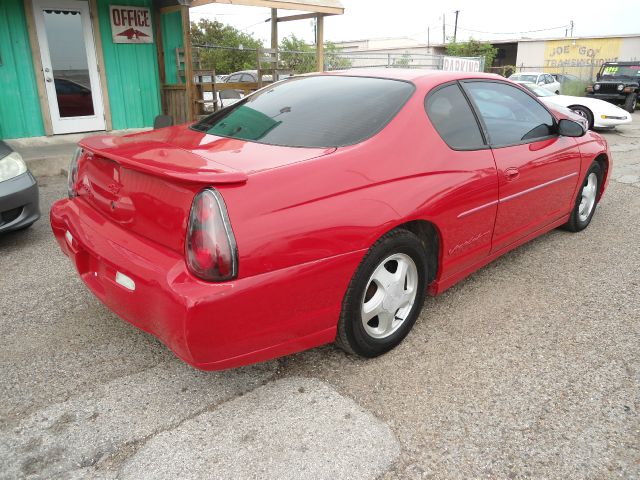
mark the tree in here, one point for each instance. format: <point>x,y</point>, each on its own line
<point>473,48</point>
<point>298,56</point>
<point>241,56</point>
<point>403,61</point>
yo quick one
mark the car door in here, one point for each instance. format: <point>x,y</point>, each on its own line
<point>551,83</point>
<point>537,168</point>
<point>465,172</point>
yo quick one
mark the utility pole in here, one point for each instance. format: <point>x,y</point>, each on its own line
<point>444,38</point>
<point>571,28</point>
<point>455,27</point>
<point>428,38</point>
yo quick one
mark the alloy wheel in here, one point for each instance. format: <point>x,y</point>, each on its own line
<point>588,200</point>
<point>389,296</point>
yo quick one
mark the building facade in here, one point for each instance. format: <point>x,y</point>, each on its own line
<point>81,65</point>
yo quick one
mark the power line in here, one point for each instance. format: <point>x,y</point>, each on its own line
<point>511,33</point>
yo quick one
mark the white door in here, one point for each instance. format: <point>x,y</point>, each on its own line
<point>69,65</point>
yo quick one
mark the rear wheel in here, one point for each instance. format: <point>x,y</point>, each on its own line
<point>385,295</point>
<point>630,102</point>
<point>587,200</point>
<point>583,112</point>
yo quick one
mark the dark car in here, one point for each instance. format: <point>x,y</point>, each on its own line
<point>617,82</point>
<point>74,100</point>
<point>19,197</point>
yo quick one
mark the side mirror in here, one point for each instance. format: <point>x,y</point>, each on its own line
<point>569,128</point>
<point>597,77</point>
<point>541,82</point>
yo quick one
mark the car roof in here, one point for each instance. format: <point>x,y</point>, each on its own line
<point>421,76</point>
<point>529,73</point>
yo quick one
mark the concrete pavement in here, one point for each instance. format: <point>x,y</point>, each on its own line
<point>530,368</point>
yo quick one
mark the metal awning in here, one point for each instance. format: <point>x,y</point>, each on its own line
<point>328,7</point>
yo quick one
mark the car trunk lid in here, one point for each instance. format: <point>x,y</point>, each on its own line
<point>146,182</point>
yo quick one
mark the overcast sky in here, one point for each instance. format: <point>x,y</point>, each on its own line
<point>490,19</point>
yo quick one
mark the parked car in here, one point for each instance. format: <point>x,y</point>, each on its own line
<point>617,82</point>
<point>598,113</point>
<point>19,196</point>
<point>251,76</point>
<point>321,209</point>
<point>565,77</point>
<point>244,76</point>
<point>544,80</point>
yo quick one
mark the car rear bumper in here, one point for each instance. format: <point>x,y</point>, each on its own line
<point>19,202</point>
<point>211,326</point>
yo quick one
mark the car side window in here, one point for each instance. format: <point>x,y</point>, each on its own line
<point>510,115</point>
<point>234,78</point>
<point>453,119</point>
<point>548,78</point>
<point>247,78</point>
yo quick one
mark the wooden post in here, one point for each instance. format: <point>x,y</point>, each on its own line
<point>320,41</point>
<point>274,28</point>
<point>188,63</point>
<point>274,46</point>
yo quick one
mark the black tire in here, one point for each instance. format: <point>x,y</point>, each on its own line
<point>583,112</point>
<point>351,335</point>
<point>576,223</point>
<point>630,102</point>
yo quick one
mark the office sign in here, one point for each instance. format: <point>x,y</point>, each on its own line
<point>457,64</point>
<point>130,24</point>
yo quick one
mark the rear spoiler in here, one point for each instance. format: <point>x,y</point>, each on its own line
<point>161,159</point>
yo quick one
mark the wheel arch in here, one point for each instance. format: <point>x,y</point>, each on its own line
<point>603,161</point>
<point>593,118</point>
<point>431,238</point>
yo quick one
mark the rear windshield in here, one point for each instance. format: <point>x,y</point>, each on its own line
<point>316,111</point>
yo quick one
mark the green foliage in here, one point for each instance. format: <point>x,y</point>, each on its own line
<point>207,32</point>
<point>403,61</point>
<point>298,56</point>
<point>473,48</point>
<point>575,88</point>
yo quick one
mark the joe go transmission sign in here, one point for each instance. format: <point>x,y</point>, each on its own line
<point>130,24</point>
<point>457,64</point>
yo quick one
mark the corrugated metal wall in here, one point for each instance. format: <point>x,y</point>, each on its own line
<point>132,74</point>
<point>20,114</point>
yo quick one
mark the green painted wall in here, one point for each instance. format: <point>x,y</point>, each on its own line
<point>20,114</point>
<point>132,74</point>
<point>171,39</point>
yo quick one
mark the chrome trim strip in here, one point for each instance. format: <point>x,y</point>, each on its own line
<point>516,195</point>
<point>475,209</point>
<point>537,187</point>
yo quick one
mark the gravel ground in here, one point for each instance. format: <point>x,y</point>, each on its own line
<point>530,368</point>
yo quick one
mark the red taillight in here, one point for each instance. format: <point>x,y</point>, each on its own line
<point>210,246</point>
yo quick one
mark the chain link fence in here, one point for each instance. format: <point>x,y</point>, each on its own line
<point>573,78</point>
<point>297,62</point>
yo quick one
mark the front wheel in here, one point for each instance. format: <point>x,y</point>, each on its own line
<point>385,295</point>
<point>587,200</point>
<point>585,113</point>
<point>630,102</point>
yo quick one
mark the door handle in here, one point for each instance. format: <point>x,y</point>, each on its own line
<point>511,173</point>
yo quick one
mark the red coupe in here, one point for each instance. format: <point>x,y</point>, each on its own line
<point>321,208</point>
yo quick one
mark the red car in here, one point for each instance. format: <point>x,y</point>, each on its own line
<point>321,208</point>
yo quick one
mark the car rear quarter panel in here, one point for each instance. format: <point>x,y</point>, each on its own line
<point>345,201</point>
